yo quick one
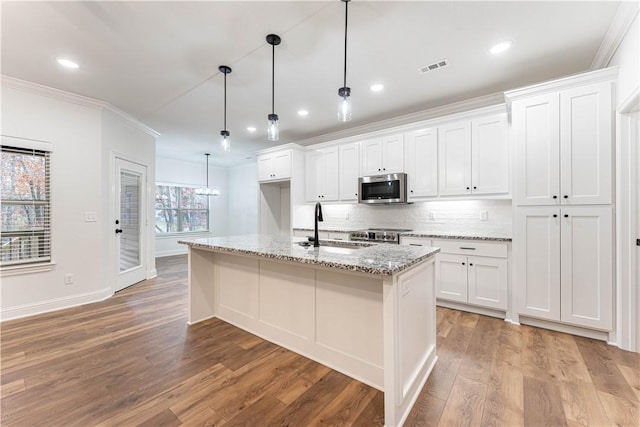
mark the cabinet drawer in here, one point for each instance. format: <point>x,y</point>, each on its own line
<point>467,247</point>
<point>414,241</point>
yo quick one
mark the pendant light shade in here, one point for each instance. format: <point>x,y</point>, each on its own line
<point>344,107</point>
<point>225,142</point>
<point>273,129</point>
<point>207,191</point>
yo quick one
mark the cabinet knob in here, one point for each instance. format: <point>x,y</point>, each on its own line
<point>565,196</point>
<point>411,191</point>
<point>379,170</point>
<point>555,197</point>
<point>467,188</point>
<point>384,169</point>
<point>463,263</point>
<point>475,188</point>
<point>555,215</point>
<point>566,215</point>
<point>470,264</point>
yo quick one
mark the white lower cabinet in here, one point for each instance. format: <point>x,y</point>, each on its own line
<point>564,264</point>
<point>479,278</point>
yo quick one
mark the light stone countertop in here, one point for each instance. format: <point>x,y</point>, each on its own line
<point>375,258</point>
<point>459,235</point>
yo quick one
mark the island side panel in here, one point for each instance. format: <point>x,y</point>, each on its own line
<point>201,278</point>
<point>410,338</point>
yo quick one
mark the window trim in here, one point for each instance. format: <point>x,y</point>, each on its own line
<point>42,264</point>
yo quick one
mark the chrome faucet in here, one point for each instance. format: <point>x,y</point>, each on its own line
<point>317,216</point>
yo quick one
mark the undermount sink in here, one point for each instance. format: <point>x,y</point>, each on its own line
<point>334,247</point>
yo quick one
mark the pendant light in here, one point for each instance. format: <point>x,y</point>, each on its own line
<point>226,144</point>
<point>344,108</point>
<point>273,131</point>
<point>207,191</point>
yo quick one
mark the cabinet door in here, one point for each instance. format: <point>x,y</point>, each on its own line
<point>393,153</point>
<point>330,174</point>
<point>537,143</point>
<point>487,282</point>
<point>586,142</point>
<point>349,159</point>
<point>421,162</point>
<point>490,155</point>
<point>372,157</point>
<point>537,262</point>
<point>454,159</point>
<point>282,165</point>
<point>313,175</point>
<point>451,277</point>
<point>265,167</point>
<point>587,267</point>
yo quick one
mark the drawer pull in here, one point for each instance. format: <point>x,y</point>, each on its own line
<point>470,249</point>
<point>415,244</point>
<point>338,238</point>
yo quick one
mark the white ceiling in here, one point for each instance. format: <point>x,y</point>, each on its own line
<point>158,61</point>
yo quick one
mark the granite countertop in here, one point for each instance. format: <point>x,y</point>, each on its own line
<point>489,236</point>
<point>374,258</point>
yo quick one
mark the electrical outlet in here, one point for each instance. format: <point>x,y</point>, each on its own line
<point>432,215</point>
<point>68,279</point>
<point>483,215</point>
<point>405,288</point>
<point>90,217</point>
<point>346,215</point>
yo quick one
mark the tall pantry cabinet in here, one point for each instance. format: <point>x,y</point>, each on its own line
<point>563,200</point>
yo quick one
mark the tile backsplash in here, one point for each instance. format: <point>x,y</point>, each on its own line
<point>435,216</point>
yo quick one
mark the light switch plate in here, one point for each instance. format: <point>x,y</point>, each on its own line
<point>483,215</point>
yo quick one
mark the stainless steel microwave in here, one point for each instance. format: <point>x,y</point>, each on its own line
<point>388,188</point>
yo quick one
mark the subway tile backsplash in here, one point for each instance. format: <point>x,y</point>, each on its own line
<point>437,216</point>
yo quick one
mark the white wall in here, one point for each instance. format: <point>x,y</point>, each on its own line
<point>627,58</point>
<point>180,172</point>
<point>449,216</point>
<point>243,199</point>
<point>75,126</point>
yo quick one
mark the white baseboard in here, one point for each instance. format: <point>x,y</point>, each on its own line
<point>471,308</point>
<point>567,329</point>
<point>160,254</point>
<point>53,305</point>
<point>152,273</point>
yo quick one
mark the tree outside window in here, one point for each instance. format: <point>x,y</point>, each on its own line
<point>180,210</point>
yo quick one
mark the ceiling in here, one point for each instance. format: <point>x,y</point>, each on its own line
<point>158,61</point>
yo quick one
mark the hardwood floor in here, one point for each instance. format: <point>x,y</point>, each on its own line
<point>132,360</point>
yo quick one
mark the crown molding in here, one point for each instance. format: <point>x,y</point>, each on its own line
<point>418,118</point>
<point>626,13</point>
<point>606,74</point>
<point>72,98</point>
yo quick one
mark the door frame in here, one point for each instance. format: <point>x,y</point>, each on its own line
<point>627,223</point>
<point>113,215</point>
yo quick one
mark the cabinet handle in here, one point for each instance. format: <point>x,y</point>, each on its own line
<point>467,188</point>
<point>463,263</point>
<point>338,238</point>
<point>475,188</point>
<point>384,169</point>
<point>470,265</point>
<point>565,196</point>
<point>411,191</point>
<point>555,215</point>
<point>555,197</point>
<point>470,249</point>
<point>566,215</point>
<point>415,244</point>
<point>379,170</point>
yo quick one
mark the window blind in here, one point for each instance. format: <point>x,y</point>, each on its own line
<point>25,192</point>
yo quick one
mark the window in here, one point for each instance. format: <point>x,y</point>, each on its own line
<point>26,207</point>
<point>180,210</point>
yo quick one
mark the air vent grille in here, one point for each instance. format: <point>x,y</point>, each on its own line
<point>435,66</point>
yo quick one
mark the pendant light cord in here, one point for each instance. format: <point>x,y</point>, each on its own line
<point>225,111</point>
<point>346,15</point>
<point>273,78</point>
<point>208,170</point>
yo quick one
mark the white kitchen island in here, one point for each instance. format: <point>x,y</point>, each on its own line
<point>365,310</point>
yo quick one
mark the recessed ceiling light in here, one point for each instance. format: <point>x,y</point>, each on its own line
<point>303,113</point>
<point>251,128</point>
<point>500,47</point>
<point>67,63</point>
<point>377,87</point>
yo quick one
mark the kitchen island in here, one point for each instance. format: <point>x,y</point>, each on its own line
<point>366,310</point>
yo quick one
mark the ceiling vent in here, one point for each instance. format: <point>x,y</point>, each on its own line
<point>435,66</point>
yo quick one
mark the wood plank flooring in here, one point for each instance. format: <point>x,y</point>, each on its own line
<point>132,360</point>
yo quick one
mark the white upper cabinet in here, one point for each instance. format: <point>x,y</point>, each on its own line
<point>274,166</point>
<point>564,147</point>
<point>383,155</point>
<point>490,155</point>
<point>454,154</point>
<point>321,175</point>
<point>421,162</point>
<point>349,171</point>
<point>474,157</point>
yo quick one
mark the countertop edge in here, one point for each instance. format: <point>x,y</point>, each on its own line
<point>421,234</point>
